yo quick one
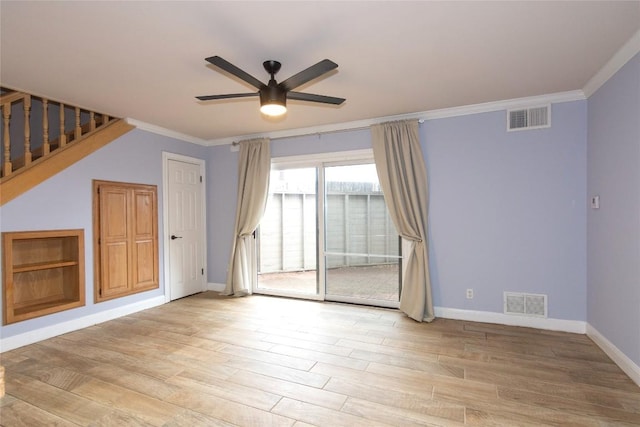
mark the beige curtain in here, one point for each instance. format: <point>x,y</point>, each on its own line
<point>403,178</point>
<point>254,165</point>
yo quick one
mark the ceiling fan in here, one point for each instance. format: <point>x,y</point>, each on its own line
<point>274,95</point>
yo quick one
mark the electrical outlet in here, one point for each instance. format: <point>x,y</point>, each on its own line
<point>469,293</point>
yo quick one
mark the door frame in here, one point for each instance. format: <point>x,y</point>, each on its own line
<point>166,247</point>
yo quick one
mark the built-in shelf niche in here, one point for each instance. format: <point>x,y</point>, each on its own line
<point>43,273</point>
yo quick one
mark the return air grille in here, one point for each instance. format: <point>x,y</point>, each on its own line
<point>525,304</point>
<point>529,118</point>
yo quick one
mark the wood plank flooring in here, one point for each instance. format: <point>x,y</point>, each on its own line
<point>207,360</point>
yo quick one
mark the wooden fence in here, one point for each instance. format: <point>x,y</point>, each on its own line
<point>357,222</point>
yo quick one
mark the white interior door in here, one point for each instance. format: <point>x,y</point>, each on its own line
<point>186,231</point>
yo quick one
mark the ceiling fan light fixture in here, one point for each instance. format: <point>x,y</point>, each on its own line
<point>273,101</point>
<point>273,109</point>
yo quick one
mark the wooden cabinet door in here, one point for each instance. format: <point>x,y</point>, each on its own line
<point>126,239</point>
<point>144,265</point>
<point>114,241</point>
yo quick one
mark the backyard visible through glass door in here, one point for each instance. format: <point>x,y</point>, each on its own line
<point>287,235</point>
<point>362,256</point>
<point>327,234</point>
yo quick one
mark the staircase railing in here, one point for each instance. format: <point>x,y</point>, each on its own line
<point>35,127</point>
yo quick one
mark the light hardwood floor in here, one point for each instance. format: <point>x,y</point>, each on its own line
<point>261,361</point>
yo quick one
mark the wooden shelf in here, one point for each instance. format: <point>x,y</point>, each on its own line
<point>43,266</point>
<point>43,273</point>
<point>45,308</point>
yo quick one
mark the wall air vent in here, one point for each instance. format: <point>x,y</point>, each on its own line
<point>525,304</point>
<point>529,118</point>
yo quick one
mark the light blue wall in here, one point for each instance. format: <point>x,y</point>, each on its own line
<point>613,240</point>
<point>222,189</point>
<point>65,201</point>
<point>507,209</point>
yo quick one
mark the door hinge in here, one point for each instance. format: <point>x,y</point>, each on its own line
<point>100,291</point>
<point>202,272</point>
<point>200,178</point>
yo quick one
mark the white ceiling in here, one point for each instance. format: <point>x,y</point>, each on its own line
<point>145,60</point>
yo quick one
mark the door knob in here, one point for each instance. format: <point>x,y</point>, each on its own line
<point>174,237</point>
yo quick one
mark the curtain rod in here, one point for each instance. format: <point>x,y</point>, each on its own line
<point>236,143</point>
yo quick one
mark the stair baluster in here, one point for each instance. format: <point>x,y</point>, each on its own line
<point>46,147</point>
<point>78,129</point>
<point>63,134</point>
<point>6,115</point>
<point>26,104</point>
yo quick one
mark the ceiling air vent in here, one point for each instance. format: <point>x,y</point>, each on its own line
<point>529,118</point>
<point>525,304</point>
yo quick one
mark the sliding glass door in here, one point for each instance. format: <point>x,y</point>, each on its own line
<point>362,248</point>
<point>327,235</point>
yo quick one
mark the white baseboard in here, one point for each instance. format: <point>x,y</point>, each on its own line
<point>218,287</point>
<point>574,326</point>
<point>31,337</point>
<point>620,359</point>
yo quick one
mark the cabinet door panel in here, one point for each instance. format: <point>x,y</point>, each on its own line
<point>144,267</point>
<point>115,272</point>
<point>114,214</point>
<point>144,202</point>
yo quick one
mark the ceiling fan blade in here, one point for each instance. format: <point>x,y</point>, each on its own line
<point>309,74</point>
<point>232,69</point>
<point>299,96</point>
<point>231,95</point>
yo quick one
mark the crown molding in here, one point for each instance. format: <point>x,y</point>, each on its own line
<point>575,95</point>
<point>165,132</point>
<point>486,107</point>
<point>553,98</point>
<point>617,61</point>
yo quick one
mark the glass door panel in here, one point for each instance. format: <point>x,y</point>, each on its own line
<point>369,282</point>
<point>287,234</point>
<point>362,247</point>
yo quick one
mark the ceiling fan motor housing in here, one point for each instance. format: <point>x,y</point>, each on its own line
<point>273,94</point>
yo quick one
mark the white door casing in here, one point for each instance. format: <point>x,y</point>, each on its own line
<point>185,230</point>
